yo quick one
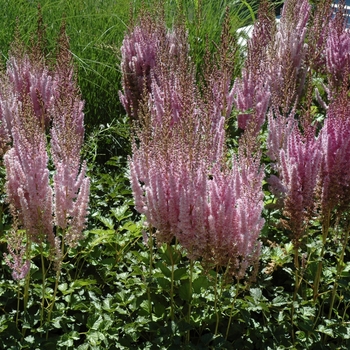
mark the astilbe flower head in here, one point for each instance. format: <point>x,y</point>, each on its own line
<point>279,130</point>
<point>28,187</point>
<point>252,93</point>
<point>71,186</point>
<point>337,51</point>
<point>218,69</point>
<point>334,141</point>
<point>252,99</point>
<point>298,170</point>
<point>179,176</point>
<point>235,202</point>
<point>56,104</point>
<point>317,37</point>
<point>28,75</point>
<point>286,57</point>
<point>139,58</point>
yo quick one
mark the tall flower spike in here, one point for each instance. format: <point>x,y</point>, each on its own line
<point>179,177</point>
<point>317,37</point>
<point>29,76</point>
<point>337,52</point>
<point>252,93</point>
<point>298,170</point>
<point>27,175</point>
<point>140,52</point>
<point>335,146</point>
<point>71,186</point>
<point>286,61</point>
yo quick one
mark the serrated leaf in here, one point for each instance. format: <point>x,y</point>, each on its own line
<point>164,283</point>
<point>200,283</point>
<point>108,222</point>
<point>30,339</point>
<point>121,213</point>
<point>256,293</point>
<point>180,273</point>
<point>164,268</point>
<point>328,331</point>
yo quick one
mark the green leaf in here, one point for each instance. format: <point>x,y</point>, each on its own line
<point>82,283</point>
<point>108,222</point>
<point>323,329</point>
<point>200,283</point>
<point>164,283</point>
<point>95,338</point>
<point>180,273</point>
<point>185,292</point>
<point>121,213</point>
<point>63,287</point>
<point>256,293</point>
<point>30,339</point>
<point>159,309</point>
<point>164,268</point>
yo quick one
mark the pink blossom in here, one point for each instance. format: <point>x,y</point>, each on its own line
<point>28,185</point>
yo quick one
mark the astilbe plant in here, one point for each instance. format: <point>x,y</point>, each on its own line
<point>252,92</point>
<point>298,169</point>
<point>337,52</point>
<point>71,186</point>
<point>27,174</point>
<point>334,139</point>
<point>34,99</point>
<point>179,176</point>
<point>286,57</point>
<point>139,56</point>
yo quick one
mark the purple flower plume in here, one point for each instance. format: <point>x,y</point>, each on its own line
<point>252,93</point>
<point>33,99</point>
<point>28,186</point>
<point>337,52</point>
<point>178,171</point>
<point>286,63</point>
<point>29,76</point>
<point>140,52</point>
<point>71,186</point>
<point>335,146</point>
<point>298,169</point>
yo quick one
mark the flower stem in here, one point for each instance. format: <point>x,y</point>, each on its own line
<point>58,275</point>
<point>43,286</point>
<point>340,267</point>
<point>231,312</point>
<point>170,249</point>
<point>325,229</point>
<point>216,302</point>
<point>150,245</point>
<point>189,302</point>
<point>27,281</point>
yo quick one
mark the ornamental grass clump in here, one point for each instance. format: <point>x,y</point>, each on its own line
<point>38,105</point>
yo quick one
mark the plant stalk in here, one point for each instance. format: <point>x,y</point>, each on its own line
<point>325,230</point>
<point>172,281</point>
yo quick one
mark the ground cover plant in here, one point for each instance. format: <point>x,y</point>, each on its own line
<point>205,203</point>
